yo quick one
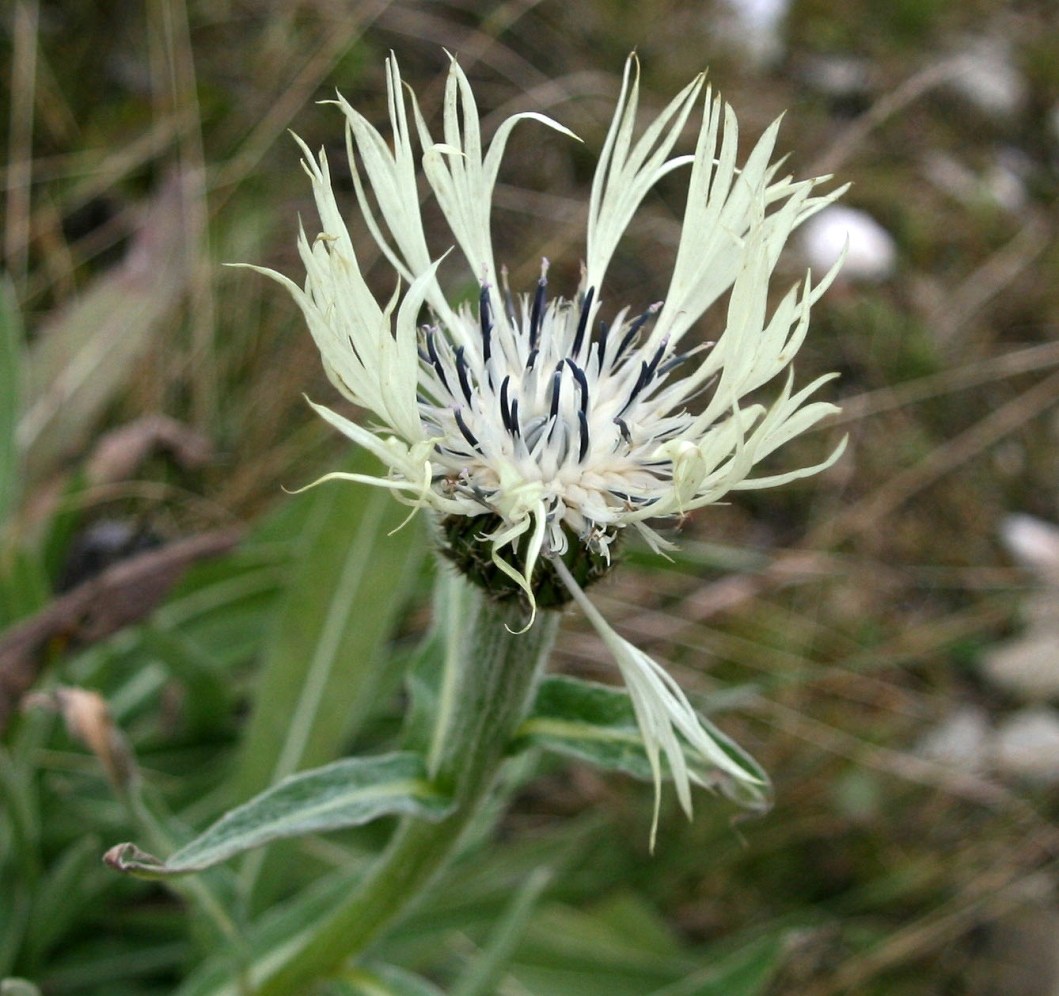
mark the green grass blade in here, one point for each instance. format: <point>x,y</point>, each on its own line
<point>325,654</point>
<point>483,975</point>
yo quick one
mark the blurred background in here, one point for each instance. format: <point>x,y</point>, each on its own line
<point>884,638</point>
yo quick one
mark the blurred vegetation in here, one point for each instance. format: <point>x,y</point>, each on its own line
<point>833,621</point>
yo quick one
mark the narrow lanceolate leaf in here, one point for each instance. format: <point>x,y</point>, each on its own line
<point>346,793</point>
<point>597,723</point>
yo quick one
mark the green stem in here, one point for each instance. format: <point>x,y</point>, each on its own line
<point>491,672</point>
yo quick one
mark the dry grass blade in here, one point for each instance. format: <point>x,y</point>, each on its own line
<point>296,94</point>
<point>996,274</point>
<point>85,356</point>
<point>20,162</point>
<point>891,494</point>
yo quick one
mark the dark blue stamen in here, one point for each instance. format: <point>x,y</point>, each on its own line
<point>647,372</point>
<point>623,428</point>
<point>557,383</point>
<point>463,373</point>
<point>582,324</point>
<point>467,434</point>
<point>673,362</point>
<point>505,408</point>
<point>641,381</point>
<point>582,449</point>
<point>601,345</point>
<point>435,360</point>
<point>537,314</point>
<point>634,330</point>
<point>531,359</point>
<point>582,382</point>
<point>516,430</point>
<point>653,365</point>
<point>485,319</point>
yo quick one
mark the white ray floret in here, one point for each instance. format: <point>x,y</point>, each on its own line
<point>562,422</point>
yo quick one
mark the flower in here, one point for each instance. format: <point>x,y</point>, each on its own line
<point>539,430</point>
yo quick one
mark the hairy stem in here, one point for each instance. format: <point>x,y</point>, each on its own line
<point>491,672</point>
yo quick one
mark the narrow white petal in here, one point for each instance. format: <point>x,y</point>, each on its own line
<point>627,171</point>
<point>662,711</point>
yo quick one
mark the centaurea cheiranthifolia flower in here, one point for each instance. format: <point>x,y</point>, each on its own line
<point>535,430</point>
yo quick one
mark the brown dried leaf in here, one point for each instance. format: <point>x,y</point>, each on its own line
<point>121,595</point>
<point>87,717</point>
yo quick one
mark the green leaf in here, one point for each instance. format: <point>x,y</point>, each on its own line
<point>382,980</point>
<point>282,924</point>
<point>592,953</point>
<point>597,723</point>
<point>11,339</point>
<point>60,897</point>
<point>326,661</point>
<point>24,585</point>
<point>346,793</point>
<point>746,971</point>
<point>483,975</point>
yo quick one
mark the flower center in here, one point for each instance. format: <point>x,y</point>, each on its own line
<point>535,415</point>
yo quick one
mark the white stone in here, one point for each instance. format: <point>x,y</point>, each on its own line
<point>754,26</point>
<point>1026,667</point>
<point>1005,180</point>
<point>961,740</point>
<point>985,74</point>
<point>838,75</point>
<point>1002,182</point>
<point>1027,745</point>
<point>871,254</point>
<point>1034,543</point>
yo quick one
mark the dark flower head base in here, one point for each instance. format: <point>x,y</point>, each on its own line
<point>465,542</point>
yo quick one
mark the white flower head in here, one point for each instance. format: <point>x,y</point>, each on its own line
<point>538,430</point>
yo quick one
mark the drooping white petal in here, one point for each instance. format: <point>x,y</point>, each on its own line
<point>668,722</point>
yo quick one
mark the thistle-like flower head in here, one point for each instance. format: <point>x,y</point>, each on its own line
<point>538,428</point>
